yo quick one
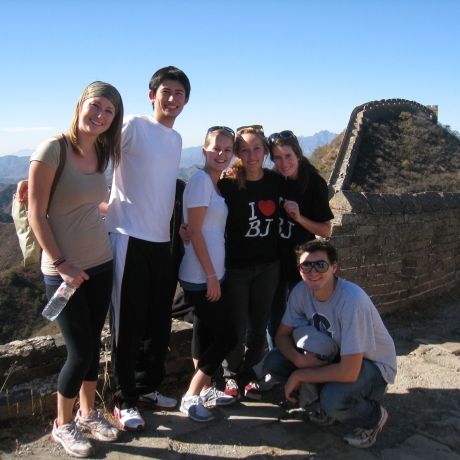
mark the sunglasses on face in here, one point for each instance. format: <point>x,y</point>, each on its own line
<point>321,266</point>
<point>255,127</point>
<point>224,128</point>
<point>285,135</point>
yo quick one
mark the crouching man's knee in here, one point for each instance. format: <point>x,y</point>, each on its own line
<point>336,402</point>
<point>277,365</point>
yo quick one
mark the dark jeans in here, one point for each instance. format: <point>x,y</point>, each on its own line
<point>81,322</point>
<point>250,296</point>
<point>214,335</point>
<point>145,319</point>
<point>355,404</point>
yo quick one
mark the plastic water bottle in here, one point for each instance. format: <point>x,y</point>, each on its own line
<point>59,300</point>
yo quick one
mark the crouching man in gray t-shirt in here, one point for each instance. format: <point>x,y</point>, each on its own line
<point>350,386</point>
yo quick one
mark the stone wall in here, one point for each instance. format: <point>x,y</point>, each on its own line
<point>402,249</point>
<point>365,113</point>
<point>28,370</point>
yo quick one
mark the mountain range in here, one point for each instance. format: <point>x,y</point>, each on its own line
<point>15,167</point>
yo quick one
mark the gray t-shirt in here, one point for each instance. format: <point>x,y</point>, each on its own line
<point>73,214</point>
<point>350,318</point>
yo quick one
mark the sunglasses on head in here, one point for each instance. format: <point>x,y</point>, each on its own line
<point>321,266</point>
<point>223,128</point>
<point>285,135</point>
<point>255,127</point>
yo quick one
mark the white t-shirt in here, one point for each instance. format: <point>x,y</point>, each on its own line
<point>350,318</point>
<point>144,183</point>
<point>200,191</point>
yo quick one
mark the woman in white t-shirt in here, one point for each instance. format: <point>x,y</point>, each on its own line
<point>201,275</point>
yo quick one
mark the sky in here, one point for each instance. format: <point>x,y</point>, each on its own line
<point>302,65</point>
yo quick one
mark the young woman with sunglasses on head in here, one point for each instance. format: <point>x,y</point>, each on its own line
<point>251,193</point>
<point>76,250</point>
<point>202,273</point>
<point>304,213</point>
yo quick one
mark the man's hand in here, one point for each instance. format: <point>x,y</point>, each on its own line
<point>292,384</point>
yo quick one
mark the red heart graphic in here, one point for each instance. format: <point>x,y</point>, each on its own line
<point>267,207</point>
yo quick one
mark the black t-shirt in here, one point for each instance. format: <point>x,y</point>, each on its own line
<point>313,204</point>
<point>252,222</point>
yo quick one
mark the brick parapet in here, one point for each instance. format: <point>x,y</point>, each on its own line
<point>28,370</point>
<point>401,249</point>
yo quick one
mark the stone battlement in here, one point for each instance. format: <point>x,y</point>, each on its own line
<point>401,249</point>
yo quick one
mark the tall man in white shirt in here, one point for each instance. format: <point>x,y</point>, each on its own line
<point>138,219</point>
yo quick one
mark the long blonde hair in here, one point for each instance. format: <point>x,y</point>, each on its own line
<point>108,144</point>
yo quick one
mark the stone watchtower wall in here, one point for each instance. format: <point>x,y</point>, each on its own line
<point>401,248</point>
<point>370,111</point>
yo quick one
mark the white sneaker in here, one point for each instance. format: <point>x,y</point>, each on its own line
<point>72,439</point>
<point>97,425</point>
<point>214,397</point>
<point>129,419</point>
<point>156,400</point>
<point>194,408</point>
<point>366,438</point>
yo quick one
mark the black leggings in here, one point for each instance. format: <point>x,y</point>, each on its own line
<point>214,335</point>
<point>81,323</point>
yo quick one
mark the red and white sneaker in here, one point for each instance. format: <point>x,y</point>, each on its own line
<point>253,391</point>
<point>231,388</point>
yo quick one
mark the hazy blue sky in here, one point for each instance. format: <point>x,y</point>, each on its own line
<point>287,64</point>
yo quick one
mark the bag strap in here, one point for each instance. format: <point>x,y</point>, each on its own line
<point>60,168</point>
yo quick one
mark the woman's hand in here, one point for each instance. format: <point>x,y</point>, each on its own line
<point>72,275</point>
<point>292,210</point>
<point>22,190</point>
<point>213,292</point>
<point>185,234</point>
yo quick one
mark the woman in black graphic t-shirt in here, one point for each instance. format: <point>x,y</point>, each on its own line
<point>252,265</point>
<point>304,213</point>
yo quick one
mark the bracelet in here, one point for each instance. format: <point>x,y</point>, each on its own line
<point>212,276</point>
<point>58,262</point>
